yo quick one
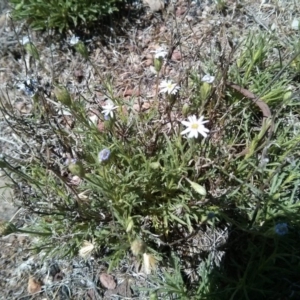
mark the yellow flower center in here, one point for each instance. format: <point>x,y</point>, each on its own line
<point>194,126</point>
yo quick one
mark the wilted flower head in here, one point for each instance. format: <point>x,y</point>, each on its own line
<point>86,249</point>
<point>74,40</point>
<point>138,247</point>
<point>149,262</point>
<point>281,228</point>
<point>108,109</point>
<point>103,155</point>
<point>208,78</point>
<point>168,87</point>
<point>159,55</point>
<point>25,40</point>
<point>194,127</point>
<point>160,52</point>
<point>84,196</point>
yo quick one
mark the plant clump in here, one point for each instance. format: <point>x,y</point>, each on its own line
<point>62,14</point>
<point>176,162</point>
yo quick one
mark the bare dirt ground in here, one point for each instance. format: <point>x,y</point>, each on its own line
<point>124,54</point>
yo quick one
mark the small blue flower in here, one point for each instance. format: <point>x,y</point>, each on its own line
<point>104,155</point>
<point>210,215</point>
<point>281,228</point>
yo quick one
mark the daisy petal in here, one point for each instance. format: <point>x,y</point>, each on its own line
<point>193,134</point>
<point>187,130</point>
<point>185,123</point>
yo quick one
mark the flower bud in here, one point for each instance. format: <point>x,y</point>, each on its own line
<point>138,247</point>
<point>62,95</point>
<point>77,169</point>
<point>205,90</point>
<point>86,249</point>
<point>130,225</point>
<point>81,48</point>
<point>155,165</point>
<point>185,109</point>
<point>32,50</point>
<point>153,296</point>
<point>287,96</point>
<point>158,62</point>
<point>7,228</point>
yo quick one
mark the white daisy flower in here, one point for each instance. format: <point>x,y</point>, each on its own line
<point>74,40</point>
<point>167,86</point>
<point>160,52</point>
<point>194,127</point>
<point>108,109</point>
<point>208,78</point>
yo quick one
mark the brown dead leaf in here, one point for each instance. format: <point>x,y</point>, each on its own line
<point>101,126</point>
<point>107,281</point>
<point>23,107</point>
<point>176,55</point>
<point>155,5</point>
<point>79,75</point>
<point>180,11</point>
<point>67,121</point>
<point>92,294</point>
<point>148,62</point>
<point>136,107</point>
<point>130,92</point>
<point>58,276</point>
<point>145,106</point>
<point>167,70</point>
<point>33,285</point>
